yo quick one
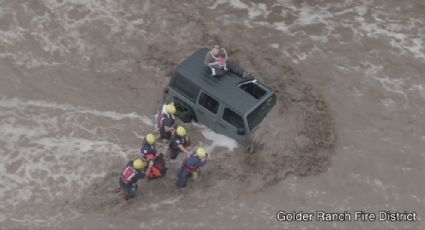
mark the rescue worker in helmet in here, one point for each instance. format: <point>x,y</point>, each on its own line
<point>167,122</point>
<point>148,149</point>
<point>161,112</point>
<point>191,165</point>
<point>179,142</point>
<point>133,171</point>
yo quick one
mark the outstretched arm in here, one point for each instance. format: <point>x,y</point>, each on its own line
<point>210,60</point>
<point>183,149</point>
<point>149,167</point>
<point>225,53</point>
<point>168,129</point>
<point>212,64</point>
<point>141,142</point>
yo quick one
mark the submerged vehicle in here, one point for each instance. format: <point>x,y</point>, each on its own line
<point>228,104</point>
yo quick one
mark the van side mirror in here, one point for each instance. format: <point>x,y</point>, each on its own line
<point>240,131</point>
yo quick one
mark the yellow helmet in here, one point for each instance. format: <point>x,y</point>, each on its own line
<point>139,164</point>
<point>150,138</point>
<point>181,131</point>
<point>170,108</point>
<point>201,152</point>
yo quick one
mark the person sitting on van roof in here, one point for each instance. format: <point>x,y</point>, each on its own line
<point>217,60</point>
<point>211,60</point>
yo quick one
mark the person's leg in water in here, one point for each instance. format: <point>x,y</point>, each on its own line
<point>130,191</point>
<point>182,178</point>
<point>174,153</point>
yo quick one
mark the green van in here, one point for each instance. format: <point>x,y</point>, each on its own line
<point>229,104</point>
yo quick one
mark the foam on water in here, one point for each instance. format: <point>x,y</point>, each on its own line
<point>352,15</point>
<point>172,200</point>
<point>256,10</point>
<point>53,149</point>
<point>313,15</point>
<point>419,88</point>
<point>238,4</point>
<point>388,102</point>
<point>9,37</point>
<point>57,46</point>
<point>218,140</point>
<point>275,45</point>
<point>394,85</point>
<point>22,104</point>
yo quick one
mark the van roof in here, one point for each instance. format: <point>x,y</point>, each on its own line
<point>224,88</point>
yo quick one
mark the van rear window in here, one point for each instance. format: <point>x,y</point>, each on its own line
<point>254,88</point>
<point>256,116</point>
<point>185,87</point>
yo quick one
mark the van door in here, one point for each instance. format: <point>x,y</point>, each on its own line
<point>206,110</point>
<point>231,124</point>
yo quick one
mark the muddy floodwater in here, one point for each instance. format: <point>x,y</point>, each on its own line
<point>344,147</point>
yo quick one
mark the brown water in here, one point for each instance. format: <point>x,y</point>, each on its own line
<point>81,80</point>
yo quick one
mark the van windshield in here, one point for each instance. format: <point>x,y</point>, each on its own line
<point>256,116</point>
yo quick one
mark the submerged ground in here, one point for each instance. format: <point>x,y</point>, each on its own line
<point>81,80</point>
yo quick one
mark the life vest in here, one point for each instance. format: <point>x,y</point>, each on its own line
<point>128,174</point>
<point>190,168</point>
<point>154,173</point>
<point>151,152</point>
<point>186,142</point>
<point>158,169</point>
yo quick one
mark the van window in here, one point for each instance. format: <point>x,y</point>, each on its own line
<point>208,102</point>
<point>233,118</point>
<point>256,116</point>
<point>185,87</point>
